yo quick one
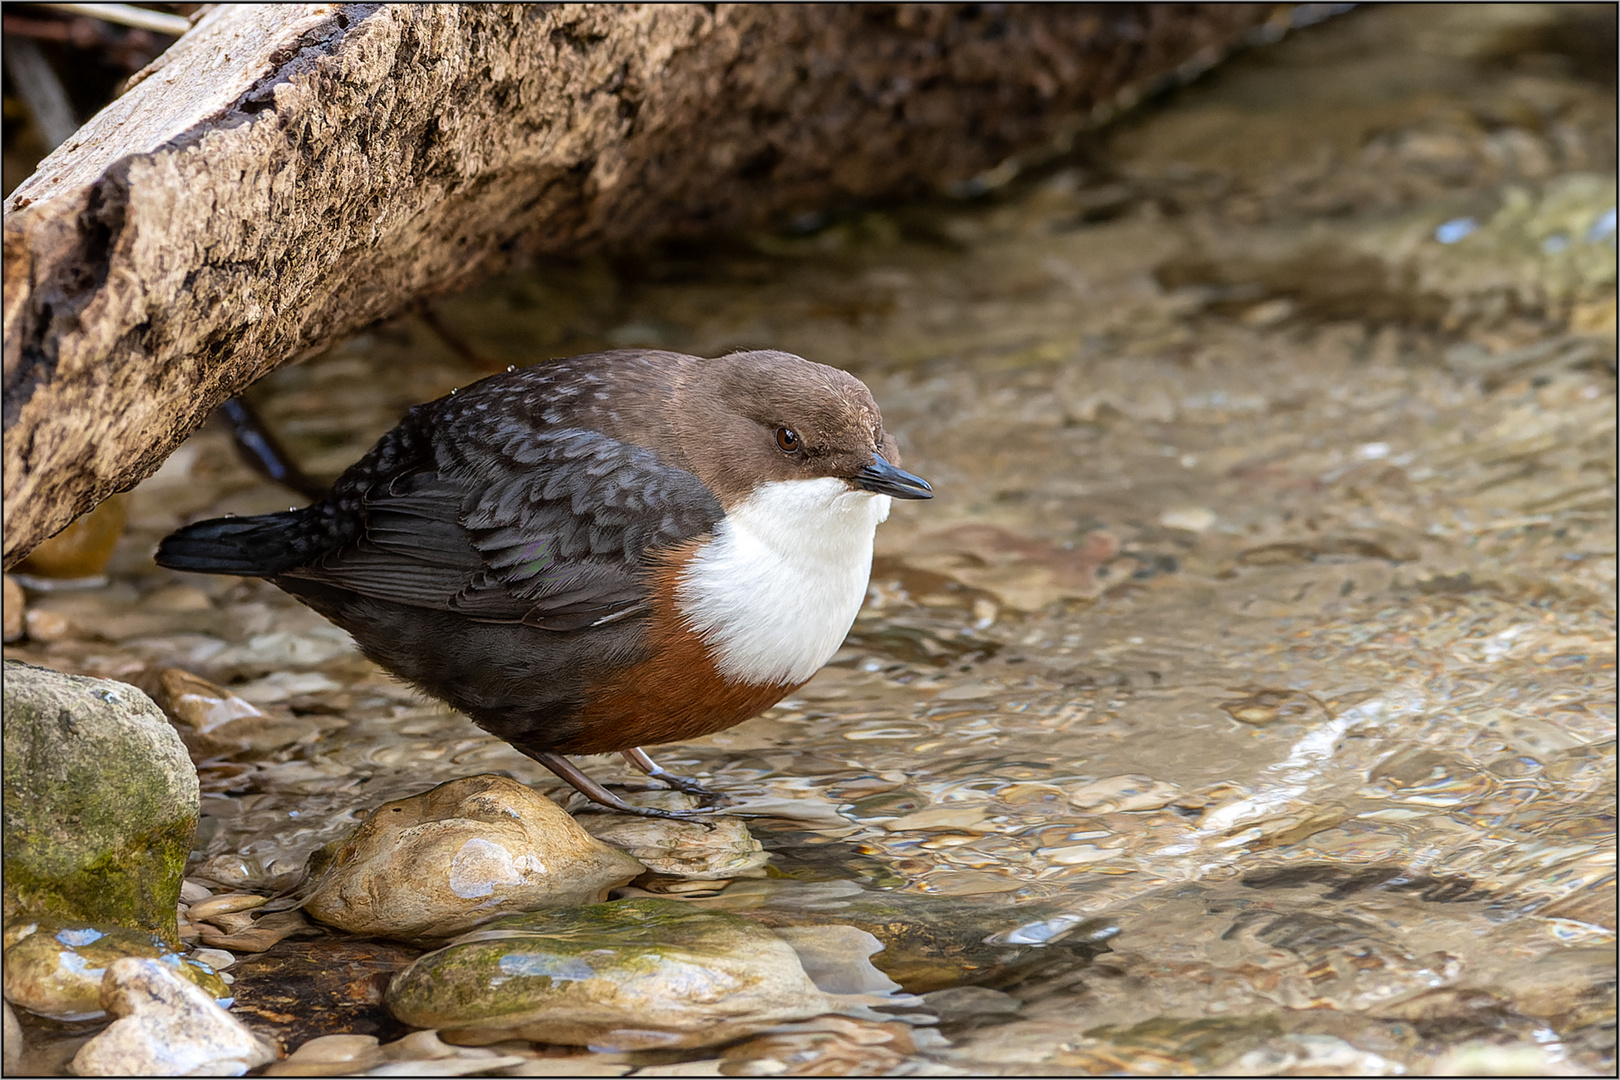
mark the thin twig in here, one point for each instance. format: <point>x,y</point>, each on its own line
<point>264,453</point>
<point>452,340</point>
<point>129,15</point>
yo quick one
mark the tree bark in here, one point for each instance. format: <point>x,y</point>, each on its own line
<point>286,174</point>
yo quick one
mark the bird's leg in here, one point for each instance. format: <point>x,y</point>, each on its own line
<point>638,757</point>
<point>596,792</point>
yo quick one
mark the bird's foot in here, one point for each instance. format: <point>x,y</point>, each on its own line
<point>638,757</point>
<point>602,796</point>
<point>619,806</point>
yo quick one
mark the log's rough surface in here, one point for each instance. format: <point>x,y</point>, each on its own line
<point>288,173</point>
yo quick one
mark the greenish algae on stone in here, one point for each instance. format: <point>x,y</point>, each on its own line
<point>56,970</point>
<point>101,803</point>
<point>632,974</point>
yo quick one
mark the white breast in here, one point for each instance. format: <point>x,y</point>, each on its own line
<point>776,590</point>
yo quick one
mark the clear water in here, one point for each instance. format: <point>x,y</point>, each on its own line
<point>1266,608</point>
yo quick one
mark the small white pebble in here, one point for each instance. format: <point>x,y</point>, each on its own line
<point>218,959</point>
<point>1191,518</point>
<point>1373,451</point>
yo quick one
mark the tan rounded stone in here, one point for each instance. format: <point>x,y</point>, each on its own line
<point>437,863</point>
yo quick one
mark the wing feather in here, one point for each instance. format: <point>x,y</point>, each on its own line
<point>551,528</point>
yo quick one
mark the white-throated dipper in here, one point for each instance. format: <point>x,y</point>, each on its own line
<point>598,553</point>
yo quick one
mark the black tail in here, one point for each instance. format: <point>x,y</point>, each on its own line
<point>260,546</point>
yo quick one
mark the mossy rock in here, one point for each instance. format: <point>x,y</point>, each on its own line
<point>101,803</point>
<point>56,970</point>
<point>631,975</point>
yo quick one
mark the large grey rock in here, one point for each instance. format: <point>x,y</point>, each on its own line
<point>101,803</point>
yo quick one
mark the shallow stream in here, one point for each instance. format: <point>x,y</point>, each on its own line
<point>1263,625</point>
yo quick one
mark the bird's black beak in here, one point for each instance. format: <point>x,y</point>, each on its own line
<point>886,479</point>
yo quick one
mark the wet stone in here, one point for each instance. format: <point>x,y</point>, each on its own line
<point>437,863</point>
<point>101,802</point>
<point>838,959</point>
<point>967,1004</point>
<point>225,904</point>
<point>83,549</point>
<point>715,849</point>
<point>213,721</point>
<point>235,871</point>
<point>1123,793</point>
<point>635,974</point>
<point>330,1055</point>
<point>166,1026</point>
<point>245,933</point>
<point>421,1053</point>
<point>57,971</point>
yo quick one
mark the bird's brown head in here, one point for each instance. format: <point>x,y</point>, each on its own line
<point>756,417</point>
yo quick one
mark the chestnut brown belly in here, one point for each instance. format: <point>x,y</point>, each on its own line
<point>676,694</point>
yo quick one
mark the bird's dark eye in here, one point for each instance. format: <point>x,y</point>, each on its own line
<point>787,440</point>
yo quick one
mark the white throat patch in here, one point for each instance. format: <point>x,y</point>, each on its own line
<point>776,590</point>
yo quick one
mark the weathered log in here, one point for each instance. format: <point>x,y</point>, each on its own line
<point>286,174</point>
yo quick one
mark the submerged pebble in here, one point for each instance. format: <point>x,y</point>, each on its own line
<point>1123,793</point>
<point>435,864</point>
<point>928,943</point>
<point>827,1046</point>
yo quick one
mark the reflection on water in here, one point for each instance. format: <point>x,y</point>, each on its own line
<point>1265,611</point>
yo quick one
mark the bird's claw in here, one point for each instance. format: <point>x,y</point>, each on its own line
<point>695,816</point>
<point>691,787</point>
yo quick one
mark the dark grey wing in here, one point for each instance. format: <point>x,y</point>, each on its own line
<point>551,528</point>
